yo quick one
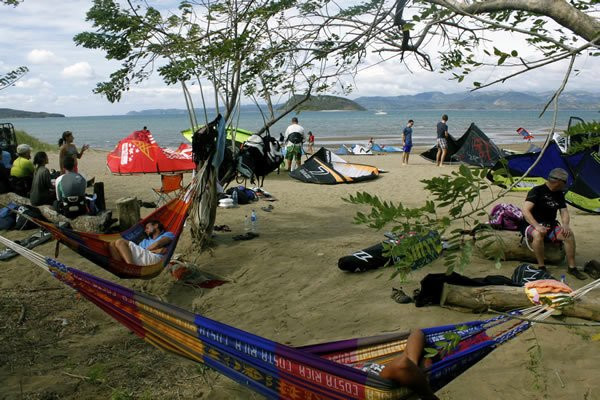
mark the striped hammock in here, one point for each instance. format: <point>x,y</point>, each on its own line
<point>323,371</point>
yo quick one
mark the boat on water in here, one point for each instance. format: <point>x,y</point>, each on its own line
<point>380,112</point>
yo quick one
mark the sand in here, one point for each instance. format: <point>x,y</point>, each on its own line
<point>285,286</point>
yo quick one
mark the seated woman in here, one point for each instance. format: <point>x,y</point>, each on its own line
<point>405,369</point>
<point>21,173</point>
<point>42,189</point>
<point>149,251</point>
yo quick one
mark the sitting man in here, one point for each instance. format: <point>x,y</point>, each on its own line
<point>21,172</point>
<point>70,190</point>
<point>149,251</point>
<point>406,370</point>
<point>539,211</point>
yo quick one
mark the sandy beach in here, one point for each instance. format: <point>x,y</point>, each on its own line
<point>285,286</point>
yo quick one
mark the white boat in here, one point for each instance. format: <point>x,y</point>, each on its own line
<point>380,112</point>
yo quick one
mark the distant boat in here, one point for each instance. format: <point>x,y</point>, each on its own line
<point>380,112</point>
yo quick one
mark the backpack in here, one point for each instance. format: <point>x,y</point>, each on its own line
<point>72,206</point>
<point>528,273</point>
<point>244,196</point>
<point>295,137</point>
<point>7,216</point>
<point>260,155</point>
<point>506,217</point>
<point>23,223</point>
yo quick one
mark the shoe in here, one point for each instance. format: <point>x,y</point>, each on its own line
<point>592,268</point>
<point>576,273</point>
<point>400,297</point>
<point>246,236</point>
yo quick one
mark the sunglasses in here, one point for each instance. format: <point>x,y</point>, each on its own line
<point>557,179</point>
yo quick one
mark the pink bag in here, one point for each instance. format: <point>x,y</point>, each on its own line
<point>506,217</point>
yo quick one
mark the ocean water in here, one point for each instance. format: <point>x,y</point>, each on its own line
<point>330,128</point>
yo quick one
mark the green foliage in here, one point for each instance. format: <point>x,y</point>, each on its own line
<point>97,373</point>
<point>454,207</point>
<point>120,394</point>
<point>36,144</point>
<point>591,133</point>
<point>446,346</point>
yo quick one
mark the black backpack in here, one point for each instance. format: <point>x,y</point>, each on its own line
<point>259,156</point>
<point>24,223</point>
<point>295,137</point>
<point>528,273</point>
<point>72,206</point>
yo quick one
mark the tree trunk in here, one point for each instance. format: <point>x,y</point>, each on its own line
<point>204,213</point>
<point>510,243</point>
<point>128,209</point>
<point>505,298</point>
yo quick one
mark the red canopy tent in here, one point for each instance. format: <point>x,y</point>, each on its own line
<point>139,153</point>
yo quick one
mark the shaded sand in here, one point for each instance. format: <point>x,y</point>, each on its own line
<point>286,287</point>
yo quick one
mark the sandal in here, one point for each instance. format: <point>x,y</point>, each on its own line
<point>592,268</point>
<point>399,296</point>
<point>267,209</point>
<point>246,236</point>
<point>576,273</point>
<point>222,228</point>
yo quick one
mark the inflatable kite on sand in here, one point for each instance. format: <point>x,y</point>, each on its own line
<point>326,168</point>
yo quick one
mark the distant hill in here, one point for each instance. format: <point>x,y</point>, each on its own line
<point>326,103</point>
<point>10,113</point>
<point>490,100</point>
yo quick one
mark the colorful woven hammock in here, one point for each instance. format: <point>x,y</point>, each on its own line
<point>94,246</point>
<point>323,371</point>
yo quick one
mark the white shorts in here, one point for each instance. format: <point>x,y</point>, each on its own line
<point>142,256</point>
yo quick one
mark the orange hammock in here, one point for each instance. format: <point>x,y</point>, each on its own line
<point>94,246</point>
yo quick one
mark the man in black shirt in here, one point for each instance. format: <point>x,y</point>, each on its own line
<point>442,142</point>
<point>539,211</point>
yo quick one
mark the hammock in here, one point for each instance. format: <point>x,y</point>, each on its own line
<point>94,246</point>
<point>323,371</point>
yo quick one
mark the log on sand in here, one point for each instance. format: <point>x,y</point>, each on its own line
<point>83,223</point>
<point>514,250</point>
<point>505,298</point>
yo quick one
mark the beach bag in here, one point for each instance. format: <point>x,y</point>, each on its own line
<point>295,137</point>
<point>7,216</point>
<point>23,223</point>
<point>506,217</point>
<point>259,156</point>
<point>72,206</point>
<point>244,195</point>
<point>528,273</point>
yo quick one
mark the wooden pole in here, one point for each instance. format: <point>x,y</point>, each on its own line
<point>510,243</point>
<point>128,209</point>
<point>505,298</point>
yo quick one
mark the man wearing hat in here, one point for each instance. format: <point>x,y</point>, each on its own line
<point>539,211</point>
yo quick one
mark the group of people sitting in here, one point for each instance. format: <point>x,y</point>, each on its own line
<point>33,179</point>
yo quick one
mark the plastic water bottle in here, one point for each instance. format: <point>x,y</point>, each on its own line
<point>234,197</point>
<point>563,279</point>
<point>247,224</point>
<point>254,222</point>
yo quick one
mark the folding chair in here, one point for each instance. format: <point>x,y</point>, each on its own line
<point>171,185</point>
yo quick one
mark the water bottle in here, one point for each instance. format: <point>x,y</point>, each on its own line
<point>234,197</point>
<point>254,222</point>
<point>247,224</point>
<point>562,279</point>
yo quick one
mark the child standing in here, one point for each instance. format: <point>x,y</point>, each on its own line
<point>407,141</point>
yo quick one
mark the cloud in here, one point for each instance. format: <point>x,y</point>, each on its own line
<point>33,83</point>
<point>80,71</point>
<point>37,56</point>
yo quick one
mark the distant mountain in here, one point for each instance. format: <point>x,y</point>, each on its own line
<point>325,103</point>
<point>490,100</point>
<point>10,113</point>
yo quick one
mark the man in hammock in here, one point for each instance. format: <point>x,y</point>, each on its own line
<point>406,369</point>
<point>149,251</point>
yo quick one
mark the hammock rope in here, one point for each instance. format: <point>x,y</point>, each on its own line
<point>323,371</point>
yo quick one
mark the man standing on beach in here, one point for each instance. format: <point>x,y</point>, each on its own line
<point>442,142</point>
<point>407,141</point>
<point>293,139</point>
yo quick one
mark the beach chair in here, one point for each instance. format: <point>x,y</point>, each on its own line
<point>171,187</point>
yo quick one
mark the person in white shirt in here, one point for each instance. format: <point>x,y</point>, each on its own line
<point>293,139</point>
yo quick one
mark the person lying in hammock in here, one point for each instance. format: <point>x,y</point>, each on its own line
<point>149,251</point>
<point>406,369</point>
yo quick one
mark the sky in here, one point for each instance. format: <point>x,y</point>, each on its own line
<point>62,76</point>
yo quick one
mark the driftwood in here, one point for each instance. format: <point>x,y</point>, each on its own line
<point>504,298</point>
<point>510,242</point>
<point>128,209</point>
<point>83,223</point>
